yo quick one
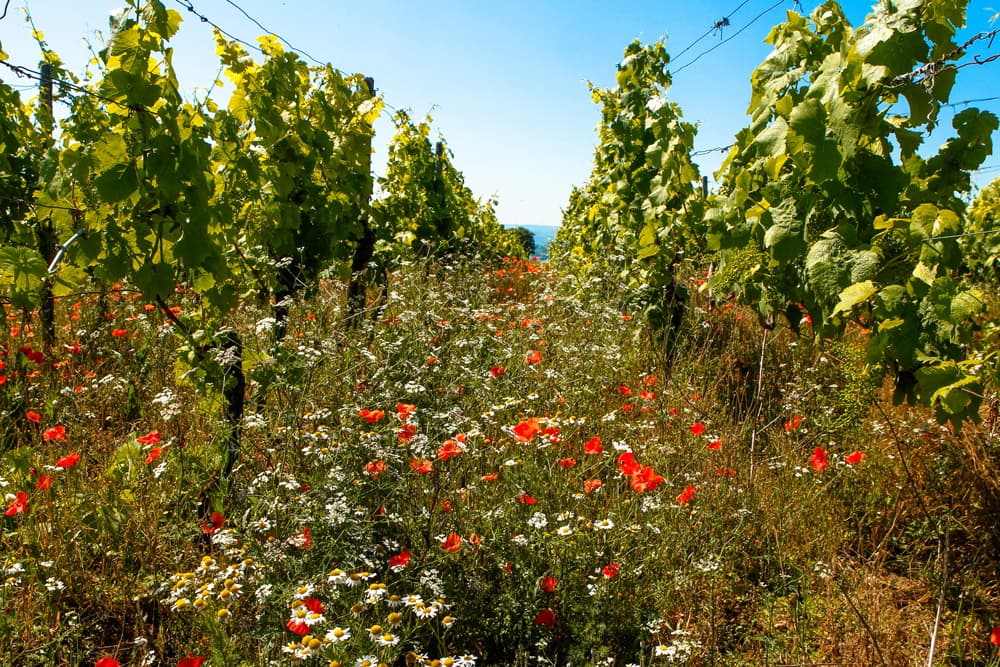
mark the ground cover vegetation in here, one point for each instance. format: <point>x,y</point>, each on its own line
<point>253,417</point>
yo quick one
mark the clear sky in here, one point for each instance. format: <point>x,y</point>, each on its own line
<point>506,81</point>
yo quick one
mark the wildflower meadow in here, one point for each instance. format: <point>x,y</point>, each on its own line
<point>256,411</point>
<point>498,469</point>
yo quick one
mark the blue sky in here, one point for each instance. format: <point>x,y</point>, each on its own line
<point>506,82</point>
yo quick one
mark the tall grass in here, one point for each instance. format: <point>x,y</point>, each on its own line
<point>500,466</point>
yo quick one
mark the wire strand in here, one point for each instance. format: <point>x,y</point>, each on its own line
<point>189,5</point>
<point>274,34</point>
<point>715,26</point>
<point>707,151</point>
<point>64,85</point>
<point>975,101</point>
<point>730,38</point>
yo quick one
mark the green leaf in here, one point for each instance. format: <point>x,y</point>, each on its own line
<point>784,237</point>
<point>853,295</point>
<point>648,246</point>
<point>23,269</point>
<point>808,142</point>
<point>155,280</point>
<point>118,183</point>
<point>954,393</point>
<point>68,279</point>
<point>825,269</point>
<point>925,273</point>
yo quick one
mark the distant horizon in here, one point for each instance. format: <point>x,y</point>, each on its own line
<point>509,225</point>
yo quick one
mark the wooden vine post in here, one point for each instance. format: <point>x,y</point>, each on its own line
<point>45,230</point>
<point>365,249</point>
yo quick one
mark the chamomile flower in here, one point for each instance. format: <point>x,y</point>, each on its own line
<point>302,592</point>
<point>338,634</point>
<point>387,639</point>
<point>563,531</point>
<point>424,611</point>
<point>412,600</point>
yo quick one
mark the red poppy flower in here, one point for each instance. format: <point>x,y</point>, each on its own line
<point>191,661</point>
<point>151,438</point>
<point>118,333</point>
<point>649,380</point>
<point>647,395</point>
<point>54,433</point>
<point>793,423</point>
<point>715,444</point>
<point>371,416</point>
<point>449,449</point>
<point>218,520</point>
<point>406,433</point>
<point>375,468</point>
<point>431,361</point>
<point>525,499</point>
<point>854,457</point>
<point>490,477</point>
<point>497,371</point>
<point>533,357</point>
<point>610,570</point>
<point>593,446</point>
<point>44,482</point>
<point>404,411</point>
<point>34,417</point>
<point>20,504</point>
<point>68,461</point>
<point>400,560</point>
<point>548,584</point>
<point>590,485</point>
<point>546,617</point>
<point>625,391</point>
<point>527,429</point>
<point>995,636</point>
<point>298,627</point>
<point>627,407</point>
<point>452,543</point>
<point>313,605</point>
<point>819,460</point>
<point>154,454</point>
<point>645,479</point>
<point>627,464</point>
<point>686,495</point>
<point>36,356</point>
<point>421,466</point>
<point>566,463</point>
<point>106,662</point>
<point>697,428</point>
